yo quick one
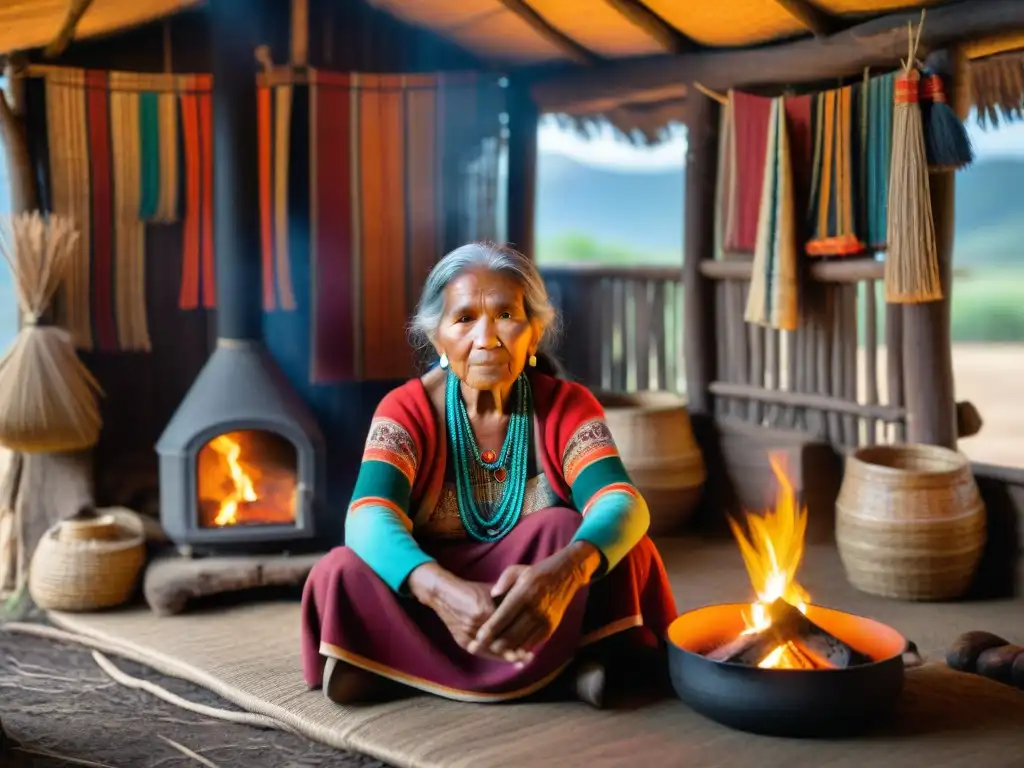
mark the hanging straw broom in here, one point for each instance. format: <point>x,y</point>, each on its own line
<point>912,262</point>
<point>47,396</point>
<point>947,145</point>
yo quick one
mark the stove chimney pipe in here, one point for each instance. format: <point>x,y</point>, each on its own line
<point>234,34</point>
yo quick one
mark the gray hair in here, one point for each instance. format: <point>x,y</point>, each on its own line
<point>495,258</point>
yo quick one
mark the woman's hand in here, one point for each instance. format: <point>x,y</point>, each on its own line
<point>463,605</point>
<point>534,601</point>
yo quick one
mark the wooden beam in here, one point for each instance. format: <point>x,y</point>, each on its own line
<point>878,42</point>
<point>817,20</point>
<point>522,169</point>
<point>698,247</point>
<point>578,53</point>
<point>66,33</point>
<point>667,36</point>
<point>927,353</point>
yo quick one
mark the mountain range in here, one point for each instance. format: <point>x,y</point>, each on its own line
<point>642,211</point>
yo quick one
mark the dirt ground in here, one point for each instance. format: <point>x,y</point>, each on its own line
<point>992,377</point>
<point>55,700</point>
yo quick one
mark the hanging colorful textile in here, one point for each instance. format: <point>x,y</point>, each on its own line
<point>947,145</point>
<point>113,145</point>
<point>359,197</point>
<point>750,117</point>
<point>772,300</point>
<point>833,221</point>
<point>197,265</point>
<point>876,133</point>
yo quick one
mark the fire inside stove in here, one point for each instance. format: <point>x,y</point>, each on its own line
<point>246,477</point>
<point>778,634</point>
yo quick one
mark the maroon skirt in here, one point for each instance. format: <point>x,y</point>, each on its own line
<point>350,614</point>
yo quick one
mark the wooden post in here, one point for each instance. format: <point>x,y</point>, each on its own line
<point>927,354</point>
<point>699,245</point>
<point>522,169</point>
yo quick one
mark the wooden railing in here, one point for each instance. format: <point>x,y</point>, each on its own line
<point>838,376</point>
<point>831,377</point>
<point>622,328</point>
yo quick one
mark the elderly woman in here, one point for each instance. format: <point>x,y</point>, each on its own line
<point>493,536</point>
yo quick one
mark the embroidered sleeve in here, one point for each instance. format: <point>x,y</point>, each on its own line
<point>615,516</point>
<point>378,527</point>
<point>591,464</point>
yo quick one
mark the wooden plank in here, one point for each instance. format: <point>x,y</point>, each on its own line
<point>643,320</point>
<point>522,169</point>
<point>826,403</point>
<point>842,271</point>
<point>878,42</point>
<point>871,354</point>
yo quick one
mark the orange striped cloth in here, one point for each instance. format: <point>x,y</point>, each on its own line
<point>112,140</point>
<point>360,180</point>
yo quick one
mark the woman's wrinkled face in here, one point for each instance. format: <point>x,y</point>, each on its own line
<point>484,329</point>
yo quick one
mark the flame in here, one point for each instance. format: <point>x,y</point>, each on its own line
<point>244,490</point>
<point>772,552</point>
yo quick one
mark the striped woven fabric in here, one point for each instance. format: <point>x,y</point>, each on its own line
<point>363,186</point>
<point>114,145</point>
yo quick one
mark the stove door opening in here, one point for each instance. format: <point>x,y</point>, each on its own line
<point>247,477</point>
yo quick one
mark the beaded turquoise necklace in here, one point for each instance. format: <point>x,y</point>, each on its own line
<point>509,468</point>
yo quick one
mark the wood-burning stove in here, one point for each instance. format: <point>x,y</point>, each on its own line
<point>242,459</point>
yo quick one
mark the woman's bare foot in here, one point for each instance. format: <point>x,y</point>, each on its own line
<point>346,684</point>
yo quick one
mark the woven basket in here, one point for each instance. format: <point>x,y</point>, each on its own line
<point>653,434</point>
<point>87,565</point>
<point>910,523</point>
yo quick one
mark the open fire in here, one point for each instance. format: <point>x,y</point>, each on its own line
<point>246,477</point>
<point>778,634</point>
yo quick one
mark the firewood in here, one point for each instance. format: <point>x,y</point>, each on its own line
<point>811,644</point>
<point>963,654</point>
<point>824,648</point>
<point>751,649</point>
<point>997,663</point>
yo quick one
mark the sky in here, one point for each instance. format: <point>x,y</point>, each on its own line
<point>611,153</point>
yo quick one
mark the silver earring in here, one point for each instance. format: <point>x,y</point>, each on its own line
<point>444,361</point>
<point>533,361</point>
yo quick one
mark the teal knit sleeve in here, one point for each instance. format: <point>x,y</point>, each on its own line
<point>378,527</point>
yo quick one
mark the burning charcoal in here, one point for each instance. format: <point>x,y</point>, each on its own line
<point>963,654</point>
<point>749,649</point>
<point>997,663</point>
<point>824,648</point>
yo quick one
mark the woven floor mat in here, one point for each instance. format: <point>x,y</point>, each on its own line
<point>249,655</point>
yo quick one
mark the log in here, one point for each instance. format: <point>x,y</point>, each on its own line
<point>824,648</point>
<point>815,647</point>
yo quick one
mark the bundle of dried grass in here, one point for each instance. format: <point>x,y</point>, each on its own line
<point>48,398</point>
<point>912,261</point>
<point>997,88</point>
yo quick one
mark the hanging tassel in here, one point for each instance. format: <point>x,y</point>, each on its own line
<point>946,142</point>
<point>912,262</point>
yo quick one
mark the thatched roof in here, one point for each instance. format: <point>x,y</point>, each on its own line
<point>581,35</point>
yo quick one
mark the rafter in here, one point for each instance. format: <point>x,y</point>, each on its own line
<point>66,33</point>
<point>815,19</point>
<point>578,53</point>
<point>667,36</point>
<point>877,42</point>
